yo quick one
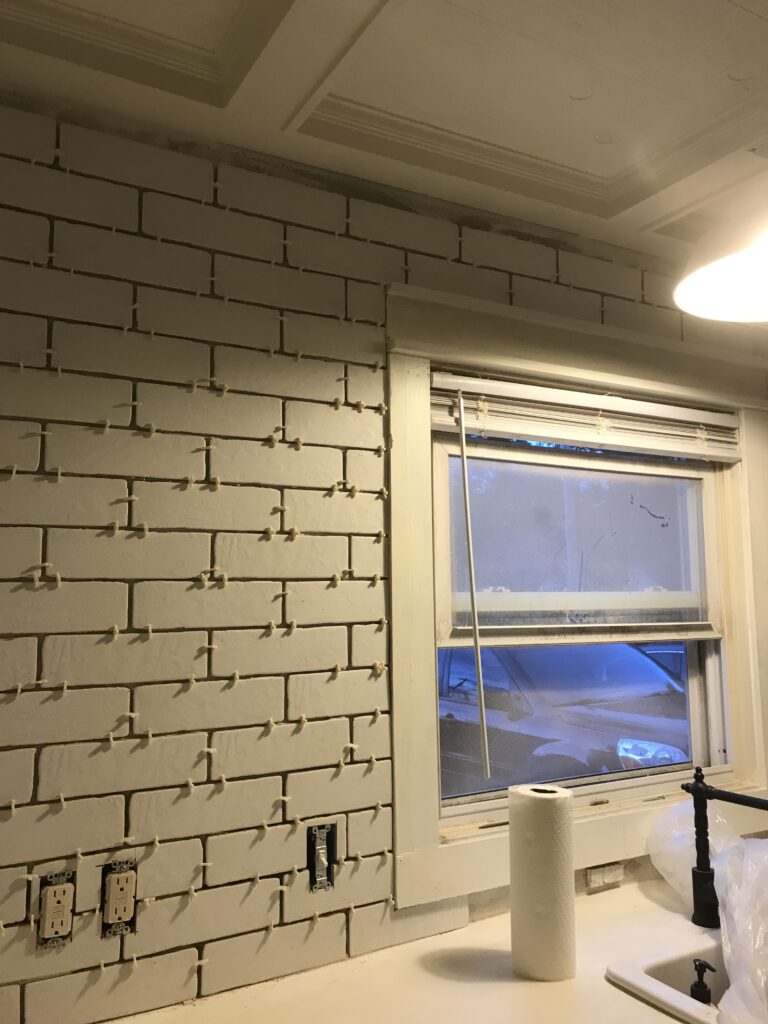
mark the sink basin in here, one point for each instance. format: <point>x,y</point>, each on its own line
<point>665,983</point>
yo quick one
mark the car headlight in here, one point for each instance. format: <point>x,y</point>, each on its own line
<point>647,754</point>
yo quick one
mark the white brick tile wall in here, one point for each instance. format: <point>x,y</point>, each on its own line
<point>285,200</point>
<point>366,302</point>
<point>13,897</point>
<point>400,227</point>
<point>20,550</point>
<point>488,249</point>
<point>93,451</point>
<point>211,228</point>
<point>278,286</point>
<point>371,734</point>
<point>365,385</point>
<point>129,658</point>
<point>96,996</point>
<point>19,444</point>
<point>22,339</point>
<point>208,705</point>
<point>317,423</point>
<point>119,159</point>
<point>357,883</point>
<point>23,237</point>
<point>78,768</point>
<point>366,469</point>
<point>329,790</point>
<point>334,513</point>
<point>322,694</point>
<point>208,412</point>
<point>639,317</point>
<point>169,605</point>
<point>600,275</point>
<point>96,554</point>
<point>58,293</point>
<point>658,288</point>
<point>247,959</point>
<point>46,395</point>
<point>27,135</point>
<point>10,1002</point>
<point>380,925</point>
<point>281,465</point>
<point>253,556</point>
<point>46,608</point>
<point>17,768</point>
<point>279,748</point>
<point>211,319</point>
<point>370,831</point>
<point>50,830</point>
<point>203,507</point>
<point>163,870</point>
<point>556,298</point>
<point>44,717</point>
<point>178,813</point>
<point>68,195</point>
<point>335,339</point>
<point>369,556</point>
<point>444,276</point>
<point>280,375</point>
<point>18,660</point>
<point>21,959</point>
<point>314,603</point>
<point>255,650</point>
<point>369,644</point>
<point>318,250</point>
<point>66,502</point>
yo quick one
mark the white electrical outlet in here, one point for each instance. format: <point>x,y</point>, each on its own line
<point>119,897</point>
<point>56,902</point>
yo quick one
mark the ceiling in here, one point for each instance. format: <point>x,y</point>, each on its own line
<point>642,124</point>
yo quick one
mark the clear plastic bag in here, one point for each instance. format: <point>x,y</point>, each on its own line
<point>671,845</point>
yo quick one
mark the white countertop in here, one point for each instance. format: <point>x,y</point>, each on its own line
<point>465,976</point>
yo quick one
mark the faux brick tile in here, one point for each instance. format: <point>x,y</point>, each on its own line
<point>211,319</point>
<point>371,734</point>
<point>17,769</point>
<point>22,960</point>
<point>96,554</point>
<point>58,293</point>
<point>283,465</point>
<point>192,606</point>
<point>369,644</point>
<point>28,135</point>
<point>19,444</point>
<point>23,237</point>
<point>163,870</point>
<point>178,813</point>
<point>10,1004</point>
<point>284,200</point>
<point>658,289</point>
<point>210,227</point>
<point>600,275</point>
<point>328,791</point>
<point>637,316</point>
<point>280,375</point>
<point>127,658</point>
<point>264,851</point>
<point>68,195</point>
<point>363,882</point>
<point>441,275</point>
<point>208,412</point>
<point>18,660</point>
<point>278,286</point>
<point>253,555</point>
<point>13,898</point>
<point>316,603</point>
<point>402,228</point>
<point>366,470</point>
<point>202,705</point>
<point>335,339</point>
<point>366,302</point>
<point>369,557</point>
<point>45,395</point>
<point>130,354</point>
<point>489,249</point>
<point>248,959</point>
<point>318,250</point>
<point>23,339</point>
<point>20,549</point>
<point>44,716</point>
<point>110,156</point>
<point>370,831</point>
<point>323,424</point>
<point>201,507</point>
<point>365,384</point>
<point>259,751</point>
<point>50,830</point>
<point>208,915</point>
<point>102,995</point>
<point>380,925</point>
<point>334,513</point>
<point>94,451</point>
<point>556,298</point>
<point>29,500</point>
<point>322,694</point>
<point>27,608</point>
<point>254,650</point>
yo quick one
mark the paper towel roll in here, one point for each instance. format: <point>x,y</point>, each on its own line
<point>542,890</point>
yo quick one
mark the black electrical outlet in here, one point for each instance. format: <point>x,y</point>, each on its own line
<point>321,856</point>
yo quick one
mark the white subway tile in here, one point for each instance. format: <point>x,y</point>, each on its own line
<point>284,200</point>
<point>278,286</point>
<point>403,228</point>
<point>600,275</point>
<point>120,159</point>
<point>322,694</point>
<point>323,424</point>
<point>252,555</point>
<point>18,661</point>
<point>280,748</point>
<point>456,278</point>
<point>255,650</point>
<point>50,830</point>
<point>208,412</point>
<point>178,813</point>
<point>210,319</point>
<point>317,603</point>
<point>636,316</point>
<point>162,870</point>
<point>128,658</point>
<point>279,374</point>
<point>490,249</point>
<point>59,293</point>
<point>23,339</point>
<point>181,707</point>
<point>28,135</point>
<point>366,469</point>
<point>71,501</point>
<point>556,298</point>
<point>356,883</point>
<point>20,444</point>
<point>347,257</point>
<point>369,644</point>
<point>369,556</point>
<point>23,237</point>
<point>248,959</point>
<point>45,395</point>
<point>365,384</point>
<point>371,734</point>
<point>281,465</point>
<point>658,289</point>
<point>10,1004</point>
<point>78,769</point>
<point>94,451</point>
<point>98,995</point>
<point>170,605</point>
<point>202,507</point>
<point>43,716</point>
<point>17,770</point>
<point>21,959</point>
<point>96,554</point>
<point>366,302</point>
<point>380,925</point>
<point>334,513</point>
<point>370,831</point>
<point>45,608</point>
<point>335,339</point>
<point>20,550</point>
<point>330,791</point>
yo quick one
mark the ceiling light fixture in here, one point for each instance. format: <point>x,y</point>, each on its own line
<point>727,275</point>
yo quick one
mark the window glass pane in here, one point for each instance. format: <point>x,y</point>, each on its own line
<point>561,712</point>
<point>567,546</point>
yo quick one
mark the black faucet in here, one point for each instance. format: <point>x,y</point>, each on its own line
<point>705,906</point>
